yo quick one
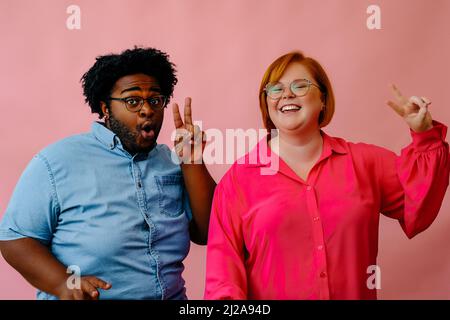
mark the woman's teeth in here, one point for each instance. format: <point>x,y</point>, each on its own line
<point>290,107</point>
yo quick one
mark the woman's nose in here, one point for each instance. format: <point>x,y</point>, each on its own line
<point>287,93</point>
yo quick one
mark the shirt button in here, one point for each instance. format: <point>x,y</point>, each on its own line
<point>316,218</point>
<point>308,188</point>
<point>139,185</point>
<point>320,247</point>
<point>323,274</point>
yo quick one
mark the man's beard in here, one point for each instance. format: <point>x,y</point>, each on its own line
<point>127,137</point>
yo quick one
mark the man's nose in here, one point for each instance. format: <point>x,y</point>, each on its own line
<point>146,110</point>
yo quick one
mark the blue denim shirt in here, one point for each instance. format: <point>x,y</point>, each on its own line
<point>118,217</point>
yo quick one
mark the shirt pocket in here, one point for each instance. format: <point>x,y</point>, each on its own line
<point>170,189</point>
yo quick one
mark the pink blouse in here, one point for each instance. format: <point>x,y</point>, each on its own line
<point>279,237</point>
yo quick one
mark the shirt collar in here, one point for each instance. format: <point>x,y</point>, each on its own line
<point>104,135</point>
<point>261,155</point>
<point>332,145</point>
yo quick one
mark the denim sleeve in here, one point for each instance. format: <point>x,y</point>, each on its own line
<point>33,209</point>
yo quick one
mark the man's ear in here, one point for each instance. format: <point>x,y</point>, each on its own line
<point>105,109</point>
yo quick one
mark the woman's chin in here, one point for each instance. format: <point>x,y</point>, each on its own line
<point>298,126</point>
<point>291,127</point>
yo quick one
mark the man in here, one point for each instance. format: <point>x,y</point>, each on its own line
<point>111,205</point>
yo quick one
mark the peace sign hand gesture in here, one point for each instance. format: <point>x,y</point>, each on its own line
<point>189,141</point>
<point>414,111</point>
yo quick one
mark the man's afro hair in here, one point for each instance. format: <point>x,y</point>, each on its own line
<point>99,81</point>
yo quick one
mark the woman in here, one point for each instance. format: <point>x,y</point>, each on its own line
<point>310,229</point>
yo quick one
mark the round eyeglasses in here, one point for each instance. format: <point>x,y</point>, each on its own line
<point>135,104</point>
<point>299,87</point>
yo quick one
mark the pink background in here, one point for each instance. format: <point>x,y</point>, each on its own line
<point>221,49</point>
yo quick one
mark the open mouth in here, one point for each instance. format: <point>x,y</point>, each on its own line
<point>147,131</point>
<point>290,108</point>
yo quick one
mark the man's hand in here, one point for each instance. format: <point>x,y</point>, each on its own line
<point>190,141</point>
<point>414,111</point>
<point>88,289</point>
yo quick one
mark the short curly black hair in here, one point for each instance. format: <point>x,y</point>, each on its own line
<point>100,79</point>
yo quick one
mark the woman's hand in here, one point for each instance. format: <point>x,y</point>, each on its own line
<point>414,111</point>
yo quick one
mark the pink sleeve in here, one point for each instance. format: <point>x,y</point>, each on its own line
<point>225,271</point>
<point>413,185</point>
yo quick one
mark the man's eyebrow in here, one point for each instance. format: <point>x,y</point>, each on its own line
<point>157,89</point>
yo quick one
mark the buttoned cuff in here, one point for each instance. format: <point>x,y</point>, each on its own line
<point>430,139</point>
